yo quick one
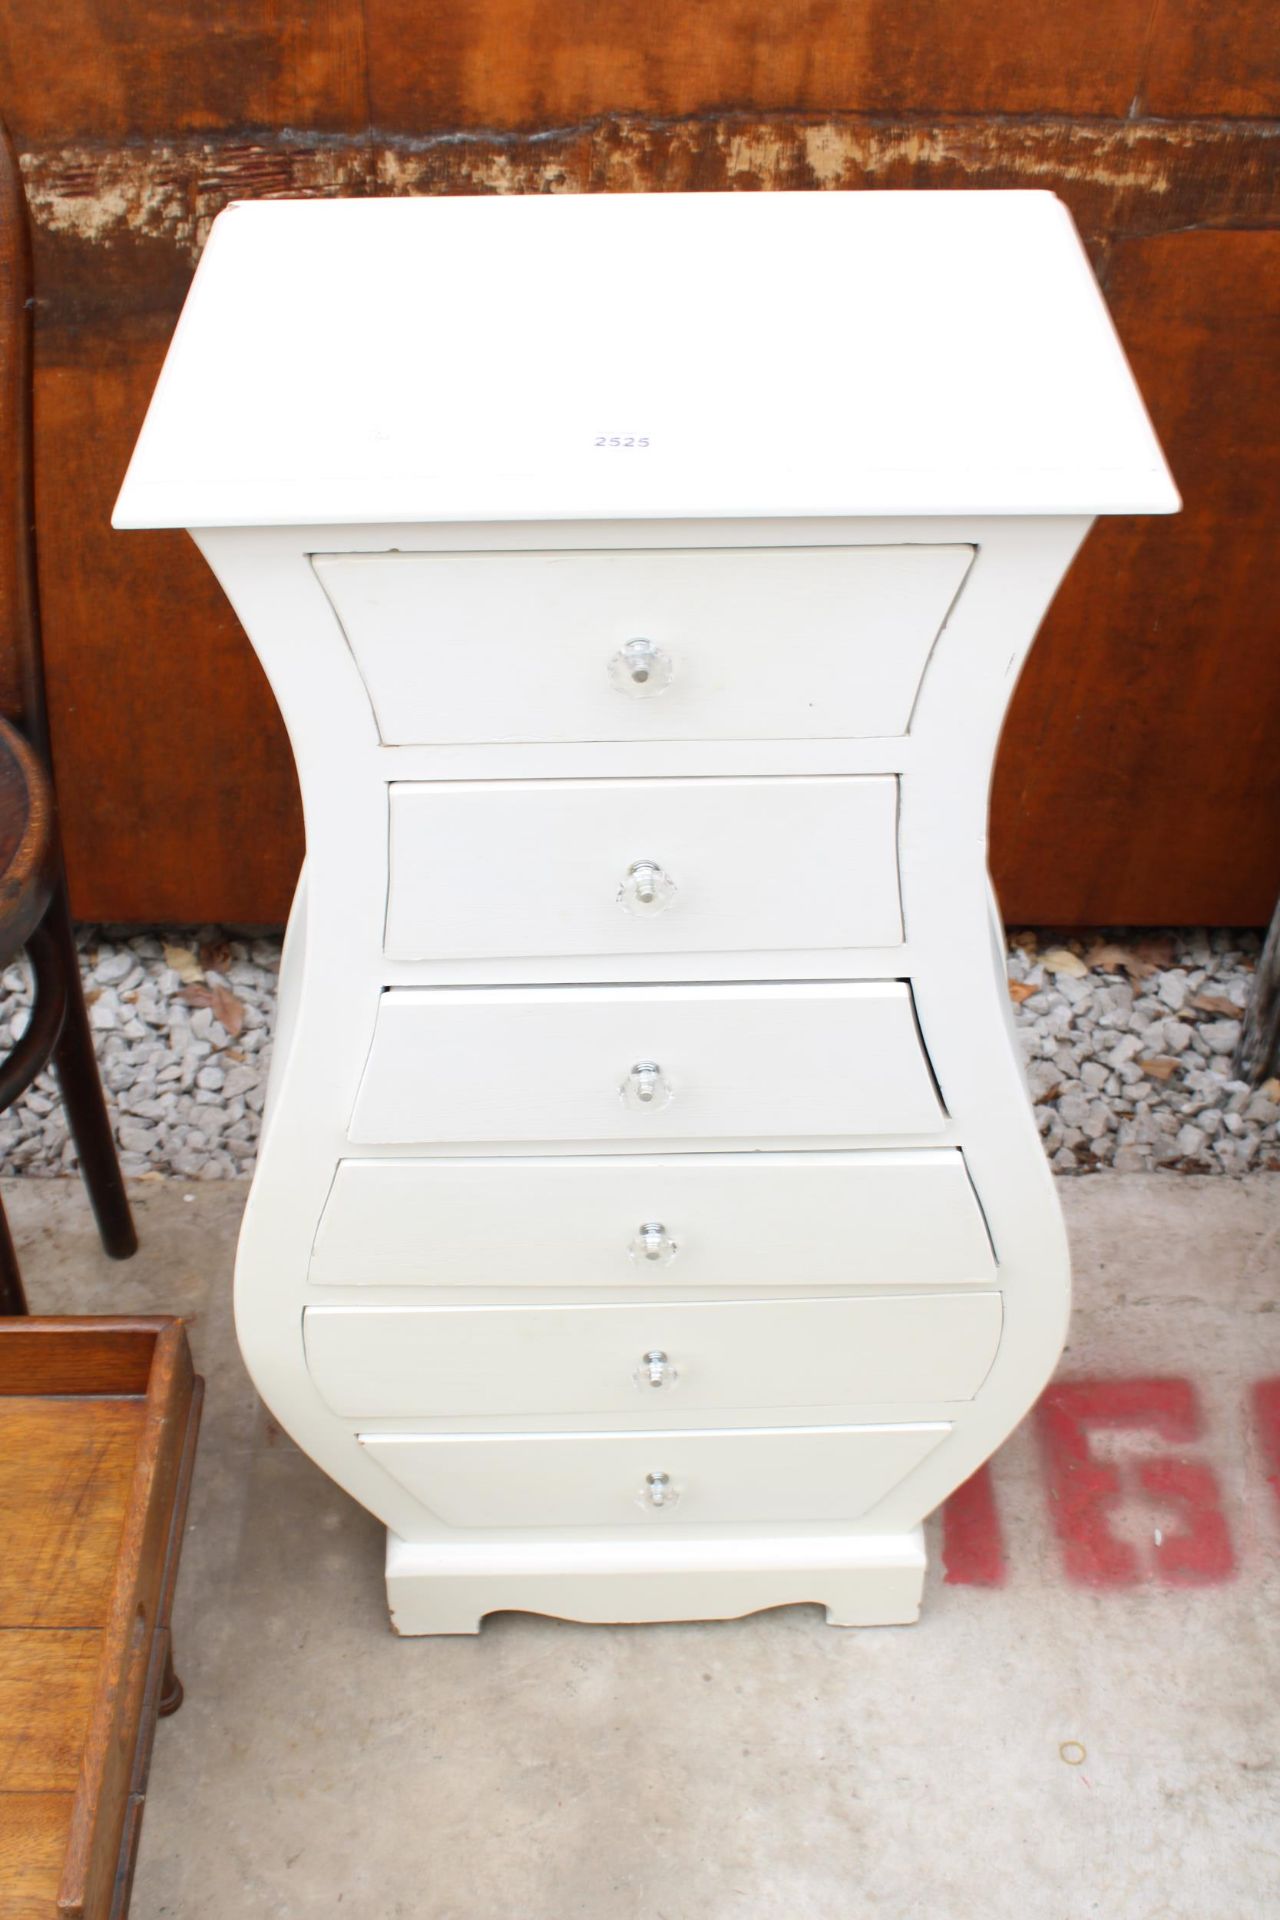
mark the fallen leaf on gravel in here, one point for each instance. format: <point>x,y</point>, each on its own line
<point>215,956</point>
<point>196,997</point>
<point>184,964</point>
<point>1215,1003</point>
<point>1160,1068</point>
<point>1020,990</point>
<point>1105,959</point>
<point>1155,952</point>
<point>1270,1089</point>
<point>1028,941</point>
<point>1062,960</point>
<point>227,1010</point>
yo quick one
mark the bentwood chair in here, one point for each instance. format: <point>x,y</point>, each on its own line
<point>35,916</point>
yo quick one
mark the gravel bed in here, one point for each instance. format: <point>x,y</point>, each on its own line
<point>1128,1046</point>
<point>183,1025</point>
<point>1127,1042</point>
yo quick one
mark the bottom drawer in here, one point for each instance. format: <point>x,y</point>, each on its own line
<point>778,1475</point>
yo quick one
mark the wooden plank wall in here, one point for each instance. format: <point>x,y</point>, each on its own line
<point>1139,779</point>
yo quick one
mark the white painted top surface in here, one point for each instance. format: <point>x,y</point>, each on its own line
<point>370,362</point>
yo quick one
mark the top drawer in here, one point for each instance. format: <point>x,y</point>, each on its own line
<point>743,643</point>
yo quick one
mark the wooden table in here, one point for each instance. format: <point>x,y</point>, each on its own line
<point>98,1423</point>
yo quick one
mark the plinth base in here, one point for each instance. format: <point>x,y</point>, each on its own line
<point>447,1587</point>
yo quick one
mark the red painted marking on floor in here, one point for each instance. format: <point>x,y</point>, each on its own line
<point>1085,1492</point>
<point>1266,1414</point>
<point>972,1542</point>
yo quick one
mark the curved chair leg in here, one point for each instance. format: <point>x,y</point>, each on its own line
<point>83,1098</point>
<point>171,1690</point>
<point>12,1297</point>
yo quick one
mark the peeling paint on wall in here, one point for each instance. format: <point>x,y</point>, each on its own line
<point>1139,175</point>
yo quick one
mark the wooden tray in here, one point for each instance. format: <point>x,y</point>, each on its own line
<point>98,1422</point>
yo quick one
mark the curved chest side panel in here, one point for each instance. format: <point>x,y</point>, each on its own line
<point>956,1007</point>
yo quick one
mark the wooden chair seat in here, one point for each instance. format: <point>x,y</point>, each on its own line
<point>28,844</point>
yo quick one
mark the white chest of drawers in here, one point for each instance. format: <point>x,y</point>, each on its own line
<point>650,1221</point>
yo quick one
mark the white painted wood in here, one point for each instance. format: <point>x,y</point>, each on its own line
<point>871,1219</point>
<point>335,988</point>
<point>840,1060</point>
<point>545,866</point>
<point>775,1475</point>
<point>757,354</point>
<point>426,1362</point>
<point>448,1586</point>
<point>786,531</point>
<point>784,643</point>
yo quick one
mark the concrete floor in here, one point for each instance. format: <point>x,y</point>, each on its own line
<point>1094,1736</point>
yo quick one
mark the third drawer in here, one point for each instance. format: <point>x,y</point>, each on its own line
<point>822,1060</point>
<point>905,1218</point>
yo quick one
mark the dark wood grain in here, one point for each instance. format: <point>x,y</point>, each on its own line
<point>1138,778</point>
<point>107,1759</point>
<point>1206,58</point>
<point>47,1682</point>
<point>33,1840</point>
<point>77,67</point>
<point>21,693</point>
<point>545,63</point>
<point>167,743</point>
<point>77,1354</point>
<point>64,1483</point>
<point>93,1490</point>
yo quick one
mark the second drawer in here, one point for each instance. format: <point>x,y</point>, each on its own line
<point>427,1362</point>
<point>545,867</point>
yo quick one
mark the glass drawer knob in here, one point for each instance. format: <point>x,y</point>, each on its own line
<point>646,888</point>
<point>655,1372</point>
<point>659,1491</point>
<point>653,1245</point>
<point>640,669</point>
<point>645,1088</point>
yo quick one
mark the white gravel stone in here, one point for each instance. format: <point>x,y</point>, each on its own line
<point>1173,990</point>
<point>114,966</point>
<point>1222,1036</point>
